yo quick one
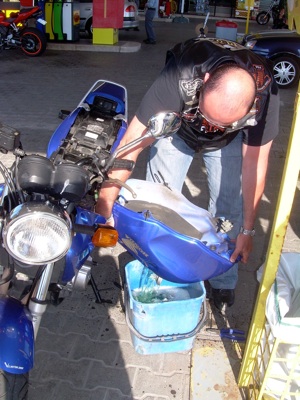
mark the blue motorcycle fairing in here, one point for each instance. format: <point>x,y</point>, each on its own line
<point>82,245</point>
<point>171,255</point>
<point>16,337</point>
<point>2,186</point>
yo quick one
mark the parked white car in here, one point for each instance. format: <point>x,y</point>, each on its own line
<point>130,19</point>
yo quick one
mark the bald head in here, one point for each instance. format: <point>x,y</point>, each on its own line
<point>228,93</point>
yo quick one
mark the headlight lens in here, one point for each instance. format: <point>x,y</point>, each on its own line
<point>250,44</point>
<point>37,234</point>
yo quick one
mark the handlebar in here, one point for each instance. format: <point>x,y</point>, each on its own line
<point>123,164</point>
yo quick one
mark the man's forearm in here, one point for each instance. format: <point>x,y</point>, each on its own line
<point>252,193</point>
<point>255,165</point>
<point>108,194</point>
<point>109,191</point>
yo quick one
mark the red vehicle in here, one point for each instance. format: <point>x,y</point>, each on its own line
<point>14,32</point>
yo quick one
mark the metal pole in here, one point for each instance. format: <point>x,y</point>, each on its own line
<point>280,223</point>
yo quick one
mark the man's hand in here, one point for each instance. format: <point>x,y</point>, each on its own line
<point>110,221</point>
<point>243,248</point>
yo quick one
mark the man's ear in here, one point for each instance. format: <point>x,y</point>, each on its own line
<point>206,76</point>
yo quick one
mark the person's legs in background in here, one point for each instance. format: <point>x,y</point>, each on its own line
<point>224,168</point>
<point>169,161</point>
<point>149,16</point>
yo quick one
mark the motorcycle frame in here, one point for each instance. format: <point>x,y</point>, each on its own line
<point>20,23</point>
<point>82,245</point>
<point>23,317</point>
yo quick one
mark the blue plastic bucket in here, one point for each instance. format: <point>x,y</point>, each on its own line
<point>166,325</point>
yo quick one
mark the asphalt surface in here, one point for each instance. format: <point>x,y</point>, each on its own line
<point>84,349</point>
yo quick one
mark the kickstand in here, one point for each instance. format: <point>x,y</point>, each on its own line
<point>96,291</point>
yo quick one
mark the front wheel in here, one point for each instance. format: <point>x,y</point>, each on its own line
<point>33,42</point>
<point>286,72</point>
<point>262,18</point>
<point>13,386</point>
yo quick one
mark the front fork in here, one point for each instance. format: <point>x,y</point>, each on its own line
<point>38,299</point>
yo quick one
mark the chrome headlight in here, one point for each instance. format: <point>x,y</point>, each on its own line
<point>250,44</point>
<point>37,233</point>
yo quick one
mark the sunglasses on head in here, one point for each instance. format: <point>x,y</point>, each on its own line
<point>247,120</point>
<point>210,126</point>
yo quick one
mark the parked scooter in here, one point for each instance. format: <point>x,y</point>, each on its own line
<point>15,32</point>
<point>276,12</point>
<point>48,227</point>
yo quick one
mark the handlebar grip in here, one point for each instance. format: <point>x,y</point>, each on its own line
<point>123,164</point>
<point>85,229</point>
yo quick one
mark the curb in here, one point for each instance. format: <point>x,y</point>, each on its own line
<point>87,45</point>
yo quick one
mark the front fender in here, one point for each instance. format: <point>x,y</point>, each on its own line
<point>16,337</point>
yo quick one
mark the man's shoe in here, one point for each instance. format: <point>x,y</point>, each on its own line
<point>222,297</point>
<point>147,41</point>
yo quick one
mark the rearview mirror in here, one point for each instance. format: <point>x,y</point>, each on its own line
<point>160,125</point>
<point>164,124</point>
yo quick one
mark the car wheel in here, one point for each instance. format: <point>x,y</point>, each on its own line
<point>286,72</point>
<point>89,27</point>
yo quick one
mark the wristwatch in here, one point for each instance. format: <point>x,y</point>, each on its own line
<point>247,232</point>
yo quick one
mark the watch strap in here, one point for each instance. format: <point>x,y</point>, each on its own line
<point>247,232</point>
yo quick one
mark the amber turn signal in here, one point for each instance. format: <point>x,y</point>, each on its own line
<point>105,236</point>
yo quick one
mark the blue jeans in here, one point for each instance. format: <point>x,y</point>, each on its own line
<point>169,161</point>
<point>149,16</point>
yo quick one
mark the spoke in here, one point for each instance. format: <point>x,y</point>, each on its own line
<point>284,72</point>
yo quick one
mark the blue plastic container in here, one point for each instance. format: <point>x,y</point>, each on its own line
<point>226,30</point>
<point>163,326</point>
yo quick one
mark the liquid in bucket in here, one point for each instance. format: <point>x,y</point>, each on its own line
<point>149,291</point>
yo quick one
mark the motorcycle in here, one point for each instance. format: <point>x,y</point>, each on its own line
<point>48,226</point>
<point>274,11</point>
<point>15,32</point>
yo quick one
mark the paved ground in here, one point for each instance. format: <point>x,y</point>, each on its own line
<point>84,349</point>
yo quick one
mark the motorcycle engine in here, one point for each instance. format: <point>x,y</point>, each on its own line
<point>93,132</point>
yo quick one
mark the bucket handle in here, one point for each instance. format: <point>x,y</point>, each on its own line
<point>166,338</point>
